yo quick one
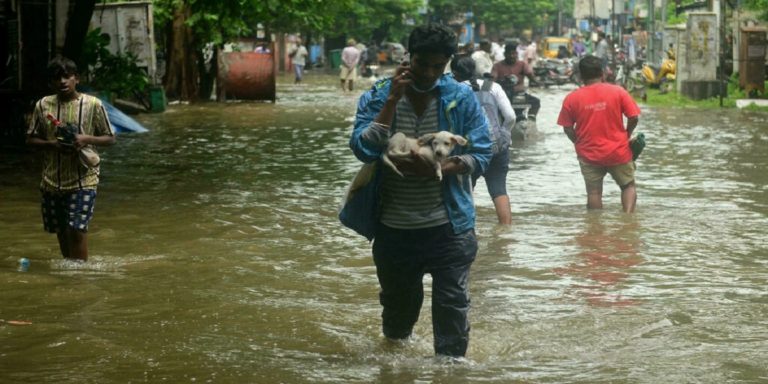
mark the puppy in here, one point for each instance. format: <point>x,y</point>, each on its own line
<point>433,147</point>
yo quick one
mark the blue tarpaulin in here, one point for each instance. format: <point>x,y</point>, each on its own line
<point>315,53</point>
<point>120,121</point>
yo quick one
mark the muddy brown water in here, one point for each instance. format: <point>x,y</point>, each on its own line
<point>216,257</point>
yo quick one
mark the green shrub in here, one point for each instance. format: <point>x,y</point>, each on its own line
<point>113,73</point>
<point>673,99</point>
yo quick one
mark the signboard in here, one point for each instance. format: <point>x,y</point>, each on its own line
<point>702,46</point>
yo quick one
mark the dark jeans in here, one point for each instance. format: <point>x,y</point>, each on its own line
<point>402,258</point>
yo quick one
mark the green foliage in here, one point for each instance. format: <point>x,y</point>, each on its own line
<point>106,71</point>
<point>309,15</point>
<point>672,18</point>
<point>446,10</point>
<point>520,14</point>
<point>210,21</point>
<point>94,47</point>
<point>676,100</point>
<point>735,91</point>
<point>121,75</point>
<point>502,14</point>
<point>758,5</point>
<point>220,21</point>
<point>215,21</point>
<point>383,18</point>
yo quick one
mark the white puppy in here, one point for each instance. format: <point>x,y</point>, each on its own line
<point>433,147</point>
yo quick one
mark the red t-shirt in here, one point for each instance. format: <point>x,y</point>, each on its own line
<point>597,114</point>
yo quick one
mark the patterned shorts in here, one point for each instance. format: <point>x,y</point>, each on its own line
<point>67,209</point>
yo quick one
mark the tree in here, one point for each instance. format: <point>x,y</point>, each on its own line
<point>77,29</point>
<point>760,6</point>
<point>381,20</point>
<point>189,26</point>
<point>499,15</point>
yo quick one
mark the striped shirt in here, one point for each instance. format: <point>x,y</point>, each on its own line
<point>62,171</point>
<point>412,202</point>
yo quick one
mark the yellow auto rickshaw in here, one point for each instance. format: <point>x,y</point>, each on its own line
<point>550,46</point>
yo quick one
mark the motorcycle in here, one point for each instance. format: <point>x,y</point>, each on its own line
<point>554,72</point>
<point>541,75</point>
<point>560,71</point>
<point>629,77</point>
<point>627,74</point>
<point>523,129</point>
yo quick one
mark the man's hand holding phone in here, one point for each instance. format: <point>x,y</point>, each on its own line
<point>402,79</point>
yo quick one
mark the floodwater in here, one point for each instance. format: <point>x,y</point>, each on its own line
<point>217,257</point>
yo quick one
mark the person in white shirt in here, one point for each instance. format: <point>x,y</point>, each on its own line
<point>483,59</point>
<point>350,56</point>
<point>299,59</point>
<point>531,54</point>
<point>497,52</point>
<point>521,50</point>
<point>498,110</point>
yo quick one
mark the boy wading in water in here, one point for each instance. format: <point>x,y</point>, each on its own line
<point>69,184</point>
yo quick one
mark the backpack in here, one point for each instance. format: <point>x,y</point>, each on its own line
<point>500,137</point>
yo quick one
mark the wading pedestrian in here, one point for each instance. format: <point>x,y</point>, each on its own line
<point>299,59</point>
<point>425,225</point>
<point>350,57</point>
<point>501,117</point>
<point>69,184</point>
<point>593,119</point>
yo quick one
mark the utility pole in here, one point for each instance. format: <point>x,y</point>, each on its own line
<point>651,31</point>
<point>723,80</point>
<point>613,22</point>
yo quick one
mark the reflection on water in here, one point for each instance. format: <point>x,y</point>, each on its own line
<point>605,258</point>
<point>217,257</point>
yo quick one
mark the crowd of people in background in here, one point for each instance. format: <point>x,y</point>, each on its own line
<point>366,59</point>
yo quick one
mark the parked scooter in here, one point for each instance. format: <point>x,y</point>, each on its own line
<point>629,77</point>
<point>560,71</point>
<point>663,76</point>
<point>660,77</point>
<point>541,74</point>
<point>554,72</point>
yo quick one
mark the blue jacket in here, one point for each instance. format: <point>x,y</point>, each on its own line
<point>458,112</point>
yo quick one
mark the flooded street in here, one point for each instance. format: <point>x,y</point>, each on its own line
<point>217,257</point>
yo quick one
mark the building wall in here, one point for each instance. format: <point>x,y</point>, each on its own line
<point>703,46</point>
<point>130,28</point>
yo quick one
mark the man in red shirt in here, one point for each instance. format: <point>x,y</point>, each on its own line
<point>593,118</point>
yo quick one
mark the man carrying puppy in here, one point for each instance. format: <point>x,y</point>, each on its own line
<point>425,225</point>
